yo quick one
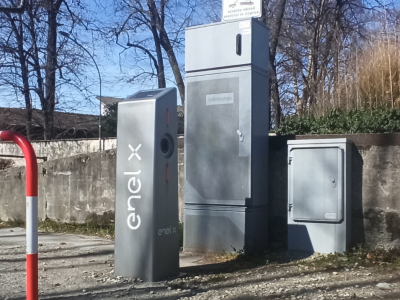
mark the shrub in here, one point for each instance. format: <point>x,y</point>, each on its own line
<point>381,120</point>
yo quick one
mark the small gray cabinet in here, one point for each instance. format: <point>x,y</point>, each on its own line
<point>316,184</point>
<point>319,195</point>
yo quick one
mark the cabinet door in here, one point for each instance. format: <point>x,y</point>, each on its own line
<point>316,184</point>
<point>218,139</point>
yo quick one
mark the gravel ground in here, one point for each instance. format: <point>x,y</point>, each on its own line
<point>84,269</point>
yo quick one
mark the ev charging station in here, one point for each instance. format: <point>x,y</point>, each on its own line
<point>146,218</point>
<point>226,133</point>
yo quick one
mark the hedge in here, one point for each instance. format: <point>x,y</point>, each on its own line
<point>380,120</point>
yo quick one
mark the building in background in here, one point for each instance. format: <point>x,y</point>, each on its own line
<point>66,125</point>
<point>105,101</point>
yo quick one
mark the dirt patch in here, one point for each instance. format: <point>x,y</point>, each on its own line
<point>6,164</point>
<point>393,225</point>
<point>79,267</point>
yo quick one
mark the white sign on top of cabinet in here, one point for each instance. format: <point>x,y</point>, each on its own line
<point>241,9</point>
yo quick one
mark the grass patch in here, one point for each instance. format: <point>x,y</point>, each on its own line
<point>221,257</point>
<point>364,256</point>
<point>12,223</point>
<point>89,228</point>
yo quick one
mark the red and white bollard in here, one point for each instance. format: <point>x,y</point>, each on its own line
<point>32,291</point>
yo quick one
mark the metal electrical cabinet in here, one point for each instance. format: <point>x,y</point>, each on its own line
<point>319,195</point>
<point>146,218</point>
<point>226,136</point>
<point>226,45</point>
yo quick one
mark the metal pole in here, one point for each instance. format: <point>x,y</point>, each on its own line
<point>32,272</point>
<point>67,35</point>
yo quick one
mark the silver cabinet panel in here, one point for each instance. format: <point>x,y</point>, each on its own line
<point>222,136</point>
<point>214,153</point>
<point>215,45</point>
<point>225,228</point>
<point>319,195</point>
<point>316,179</point>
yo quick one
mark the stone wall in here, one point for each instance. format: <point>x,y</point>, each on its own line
<point>50,150</point>
<point>81,187</point>
<point>73,189</point>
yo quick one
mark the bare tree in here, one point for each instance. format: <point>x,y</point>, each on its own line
<point>274,18</point>
<point>29,50</point>
<point>156,29</point>
<point>19,63</point>
<point>316,50</point>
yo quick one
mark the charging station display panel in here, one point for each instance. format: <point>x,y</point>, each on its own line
<point>144,94</point>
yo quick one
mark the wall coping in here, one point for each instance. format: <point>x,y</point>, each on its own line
<point>360,139</point>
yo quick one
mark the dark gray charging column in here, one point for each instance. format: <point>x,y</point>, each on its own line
<point>146,218</point>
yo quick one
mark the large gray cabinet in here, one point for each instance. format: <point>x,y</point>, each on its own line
<point>226,136</point>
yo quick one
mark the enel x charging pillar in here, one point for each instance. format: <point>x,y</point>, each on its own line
<point>146,217</point>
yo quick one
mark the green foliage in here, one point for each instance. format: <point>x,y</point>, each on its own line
<point>12,223</point>
<point>109,121</point>
<point>381,120</point>
<point>89,228</point>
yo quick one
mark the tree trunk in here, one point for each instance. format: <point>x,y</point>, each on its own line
<point>336,50</point>
<point>19,34</point>
<point>157,43</point>
<point>274,94</point>
<point>165,42</point>
<point>295,87</point>
<point>35,56</point>
<point>274,87</point>
<point>174,63</point>
<point>160,61</point>
<point>51,67</point>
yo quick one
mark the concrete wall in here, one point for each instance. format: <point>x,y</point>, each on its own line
<point>50,150</point>
<point>82,187</point>
<point>73,189</point>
